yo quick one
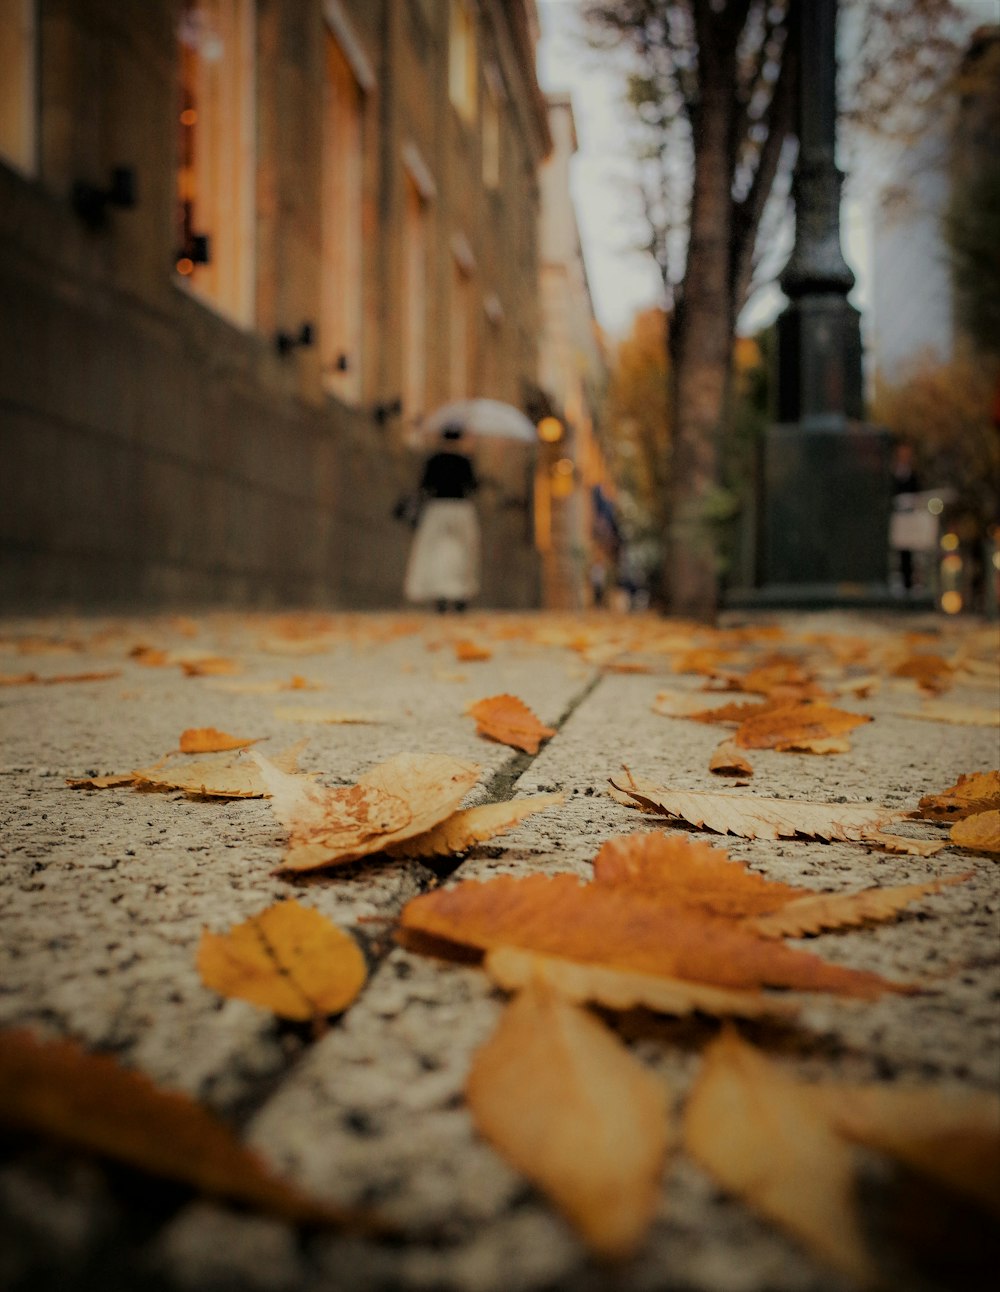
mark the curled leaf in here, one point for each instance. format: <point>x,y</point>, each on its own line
<point>980,832</point>
<point>727,760</point>
<point>975,792</point>
<point>475,825</point>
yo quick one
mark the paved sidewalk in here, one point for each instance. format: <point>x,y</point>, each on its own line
<point>106,892</point>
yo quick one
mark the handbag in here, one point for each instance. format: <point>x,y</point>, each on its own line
<point>408,508</point>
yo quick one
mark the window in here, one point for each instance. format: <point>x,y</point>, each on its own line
<point>462,60</point>
<point>342,307</point>
<point>215,178</point>
<point>415,218</point>
<point>18,85</point>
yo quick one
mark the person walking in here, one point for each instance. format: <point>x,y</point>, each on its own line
<point>443,566</point>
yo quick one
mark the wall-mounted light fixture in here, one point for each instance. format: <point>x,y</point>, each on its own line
<point>91,203</point>
<point>288,341</point>
<point>550,430</point>
<point>386,409</point>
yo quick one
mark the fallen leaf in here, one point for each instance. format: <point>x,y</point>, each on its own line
<point>18,679</point>
<point>962,715</point>
<point>87,1100</point>
<point>930,672</point>
<point>289,959</point>
<point>58,678</point>
<point>700,707</point>
<point>100,782</point>
<point>972,793</point>
<point>295,683</point>
<point>951,1136</point>
<point>600,924</point>
<point>509,720</point>
<point>209,666</point>
<point>208,740</point>
<point>393,802</point>
<point>149,656</point>
<point>816,912</point>
<point>513,968</point>
<point>467,652</point>
<point>687,873</point>
<point>229,776</point>
<point>901,844</point>
<point>756,817</point>
<point>764,1137</point>
<point>343,717</point>
<point>727,760</point>
<point>807,727</point>
<point>561,1098</point>
<point>470,826</point>
<point>980,832</point>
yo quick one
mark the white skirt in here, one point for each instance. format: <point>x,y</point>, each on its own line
<point>444,558</point>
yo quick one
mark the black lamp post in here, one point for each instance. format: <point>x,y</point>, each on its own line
<point>825,479</point>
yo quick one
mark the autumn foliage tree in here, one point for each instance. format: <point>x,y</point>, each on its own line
<point>711,87</point>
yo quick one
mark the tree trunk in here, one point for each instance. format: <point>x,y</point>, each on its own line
<point>701,344</point>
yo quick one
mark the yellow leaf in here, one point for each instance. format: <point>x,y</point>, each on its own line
<point>475,825</point>
<point>980,832</point>
<point>901,844</point>
<point>820,911</point>
<point>561,1098</point>
<point>952,1136</point>
<point>513,968</point>
<point>207,740</point>
<point>764,1137</point>
<point>230,776</point>
<point>289,959</point>
<point>393,802</point>
<point>756,817</point>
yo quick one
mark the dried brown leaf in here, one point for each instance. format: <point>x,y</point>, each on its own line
<point>975,792</point>
<point>806,727</point>
<point>475,825</point>
<point>393,802</point>
<point>229,776</point>
<point>208,740</point>
<point>979,832</point>
<point>727,760</point>
<point>55,1088</point>
<point>763,1136</point>
<point>700,707</point>
<point>557,1093</point>
<point>209,666</point>
<point>100,782</point>
<point>951,1136</point>
<point>755,817</point>
<point>513,968</point>
<point>289,959</point>
<point>509,720</point>
<point>600,924</point>
<point>900,844</point>
<point>468,652</point>
<point>816,912</point>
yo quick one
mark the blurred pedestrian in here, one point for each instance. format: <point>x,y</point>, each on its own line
<point>443,568</point>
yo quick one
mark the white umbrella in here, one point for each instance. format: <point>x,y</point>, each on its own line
<point>485,418</point>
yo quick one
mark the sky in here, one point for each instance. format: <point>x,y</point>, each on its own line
<point>622,279</point>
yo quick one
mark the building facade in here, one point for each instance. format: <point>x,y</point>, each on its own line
<point>244,245</point>
<point>576,528</point>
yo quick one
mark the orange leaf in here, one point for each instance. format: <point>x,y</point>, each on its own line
<point>980,832</point>
<point>475,825</point>
<point>563,1100</point>
<point>467,652</point>
<point>90,1101</point>
<point>599,924</point>
<point>509,720</point>
<point>229,776</point>
<point>209,666</point>
<point>208,740</point>
<point>976,792</point>
<point>814,912</point>
<point>289,959</point>
<point>763,1136</point>
<point>688,873</point>
<point>792,726</point>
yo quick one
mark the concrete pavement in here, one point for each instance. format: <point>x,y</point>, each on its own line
<point>106,892</point>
